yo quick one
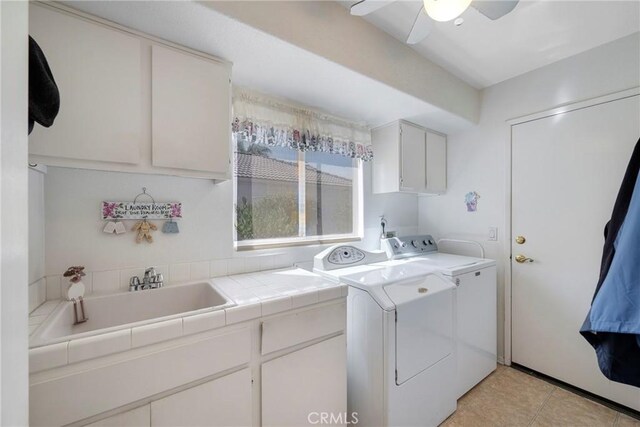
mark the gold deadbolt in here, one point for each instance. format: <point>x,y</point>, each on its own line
<point>520,240</point>
<point>521,259</point>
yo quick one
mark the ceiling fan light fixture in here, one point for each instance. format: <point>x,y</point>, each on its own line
<point>445,10</point>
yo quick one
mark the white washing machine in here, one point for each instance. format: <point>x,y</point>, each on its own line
<point>475,278</point>
<point>400,338</point>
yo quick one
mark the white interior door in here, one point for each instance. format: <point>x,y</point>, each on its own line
<point>566,172</point>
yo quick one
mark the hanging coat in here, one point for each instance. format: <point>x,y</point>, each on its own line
<point>612,326</point>
<point>44,98</point>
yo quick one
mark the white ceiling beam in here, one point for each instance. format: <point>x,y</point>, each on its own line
<point>328,30</point>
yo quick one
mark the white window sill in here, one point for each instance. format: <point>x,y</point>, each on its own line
<point>250,245</point>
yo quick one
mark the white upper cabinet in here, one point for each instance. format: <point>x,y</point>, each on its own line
<point>436,158</point>
<point>129,102</point>
<point>408,158</point>
<point>412,158</point>
<point>98,74</point>
<point>190,114</point>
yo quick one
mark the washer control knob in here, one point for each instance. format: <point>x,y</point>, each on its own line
<point>425,242</point>
<point>414,243</point>
<point>404,244</point>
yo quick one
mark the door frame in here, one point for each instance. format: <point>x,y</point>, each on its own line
<point>560,109</point>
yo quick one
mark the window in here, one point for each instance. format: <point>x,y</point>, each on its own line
<point>297,173</point>
<point>285,195</point>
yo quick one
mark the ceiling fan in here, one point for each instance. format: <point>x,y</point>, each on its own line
<point>438,10</point>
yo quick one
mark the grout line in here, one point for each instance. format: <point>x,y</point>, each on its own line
<point>535,417</point>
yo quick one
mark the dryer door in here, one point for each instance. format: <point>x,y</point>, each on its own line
<point>425,312</point>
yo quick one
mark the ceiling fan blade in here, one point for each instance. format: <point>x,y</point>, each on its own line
<point>365,7</point>
<point>494,9</point>
<point>421,27</point>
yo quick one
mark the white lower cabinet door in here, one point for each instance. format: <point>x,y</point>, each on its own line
<point>139,417</point>
<point>224,401</point>
<point>307,387</point>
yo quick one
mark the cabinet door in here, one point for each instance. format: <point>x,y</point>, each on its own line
<point>299,387</point>
<point>436,168</point>
<point>225,401</point>
<point>98,73</point>
<point>138,417</point>
<point>412,149</point>
<point>191,114</point>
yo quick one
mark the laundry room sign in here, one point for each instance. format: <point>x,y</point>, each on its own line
<point>132,210</point>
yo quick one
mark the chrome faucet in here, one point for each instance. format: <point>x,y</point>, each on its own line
<point>151,280</point>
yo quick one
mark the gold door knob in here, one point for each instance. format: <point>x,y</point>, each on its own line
<point>520,240</point>
<point>521,259</point>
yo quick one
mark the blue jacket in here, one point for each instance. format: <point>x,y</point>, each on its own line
<point>613,323</point>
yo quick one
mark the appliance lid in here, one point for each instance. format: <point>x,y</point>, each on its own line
<point>450,264</point>
<point>404,280</point>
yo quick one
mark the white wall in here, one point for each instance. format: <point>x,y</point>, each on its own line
<point>73,228</point>
<point>476,158</point>
<point>36,225</point>
<point>13,213</point>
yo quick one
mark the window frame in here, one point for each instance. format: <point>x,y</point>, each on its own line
<point>282,242</point>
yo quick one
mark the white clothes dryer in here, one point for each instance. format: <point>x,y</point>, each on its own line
<point>400,338</point>
<point>476,328</point>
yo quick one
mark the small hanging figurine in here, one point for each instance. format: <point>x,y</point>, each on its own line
<point>170,227</point>
<point>144,229</point>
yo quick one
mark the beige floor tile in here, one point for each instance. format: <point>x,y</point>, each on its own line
<point>466,417</point>
<point>570,410</point>
<point>508,397</point>
<point>627,421</point>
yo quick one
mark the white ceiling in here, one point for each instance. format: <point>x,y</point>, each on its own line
<point>536,33</point>
<point>265,63</point>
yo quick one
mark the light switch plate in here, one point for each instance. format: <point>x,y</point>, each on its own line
<point>493,234</point>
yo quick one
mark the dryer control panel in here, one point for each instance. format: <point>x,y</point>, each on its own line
<point>345,256</point>
<point>409,246</point>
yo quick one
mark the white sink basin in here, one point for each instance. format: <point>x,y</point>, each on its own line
<point>129,309</point>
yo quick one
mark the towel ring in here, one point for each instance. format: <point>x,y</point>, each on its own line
<point>144,193</point>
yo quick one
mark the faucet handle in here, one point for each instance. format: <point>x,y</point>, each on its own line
<point>134,283</point>
<point>149,272</point>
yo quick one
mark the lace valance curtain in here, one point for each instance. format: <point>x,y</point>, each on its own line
<point>267,121</point>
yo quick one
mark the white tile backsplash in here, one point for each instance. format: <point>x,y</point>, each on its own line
<point>106,281</point>
<point>236,266</point>
<point>37,293</point>
<point>199,270</point>
<point>267,262</point>
<point>109,281</point>
<point>218,267</point>
<point>179,272</point>
<point>251,264</point>
<point>53,287</point>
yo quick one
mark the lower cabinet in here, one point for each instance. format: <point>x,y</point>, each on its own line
<point>134,418</point>
<point>306,387</point>
<point>301,358</point>
<point>225,401</point>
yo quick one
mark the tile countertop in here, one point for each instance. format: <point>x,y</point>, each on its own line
<point>256,295</point>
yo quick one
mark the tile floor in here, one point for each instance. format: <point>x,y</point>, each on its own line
<point>509,397</point>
